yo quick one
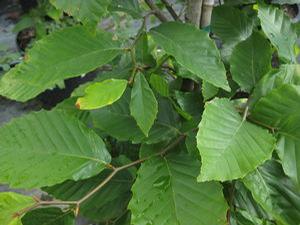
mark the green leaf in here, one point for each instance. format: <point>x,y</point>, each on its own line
<point>88,12</point>
<point>166,193</point>
<point>100,94</point>
<point>143,51</point>
<point>278,28</point>
<point>193,49</point>
<point>244,202</point>
<point>117,122</point>
<point>143,104</point>
<point>250,60</point>
<point>129,6</point>
<point>108,203</point>
<point>280,110</point>
<point>160,85</point>
<point>190,102</point>
<point>208,90</point>
<point>53,147</point>
<point>63,54</point>
<point>286,74</point>
<point>230,147</point>
<point>12,203</point>
<point>232,26</point>
<point>49,216</point>
<point>68,106</point>
<point>275,193</point>
<point>288,151</point>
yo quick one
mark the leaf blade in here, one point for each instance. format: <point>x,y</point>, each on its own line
<point>44,139</point>
<point>143,104</point>
<point>166,192</point>
<point>100,94</point>
<point>193,49</point>
<point>226,141</point>
<point>44,67</point>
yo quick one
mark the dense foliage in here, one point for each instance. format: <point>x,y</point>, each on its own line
<point>181,125</point>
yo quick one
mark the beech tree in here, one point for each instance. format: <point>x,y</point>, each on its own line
<point>193,117</point>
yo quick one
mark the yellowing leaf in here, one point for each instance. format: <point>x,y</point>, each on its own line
<point>101,94</point>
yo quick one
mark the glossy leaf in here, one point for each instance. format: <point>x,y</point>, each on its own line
<point>275,193</point>
<point>193,49</point>
<point>166,192</point>
<point>100,94</point>
<point>87,11</point>
<point>63,54</point>
<point>275,23</point>
<point>143,104</point>
<point>230,147</point>
<point>53,147</point>
<point>49,216</point>
<point>250,60</point>
<point>11,204</point>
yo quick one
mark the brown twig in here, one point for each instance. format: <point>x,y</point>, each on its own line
<point>159,14</point>
<point>115,170</point>
<point>171,10</point>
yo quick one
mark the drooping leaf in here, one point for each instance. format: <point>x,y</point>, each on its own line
<point>143,104</point>
<point>108,203</point>
<point>250,60</point>
<point>160,85</point>
<point>232,26</point>
<point>230,147</point>
<point>193,49</point>
<point>49,216</point>
<point>11,204</point>
<point>275,23</point>
<point>166,192</point>
<point>280,110</point>
<point>286,74</point>
<point>272,189</point>
<point>63,54</point>
<point>88,12</point>
<point>100,94</point>
<point>46,148</point>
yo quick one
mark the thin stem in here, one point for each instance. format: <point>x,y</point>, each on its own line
<point>118,169</point>
<point>115,170</point>
<point>160,62</point>
<point>159,14</point>
<point>107,179</point>
<point>170,10</point>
